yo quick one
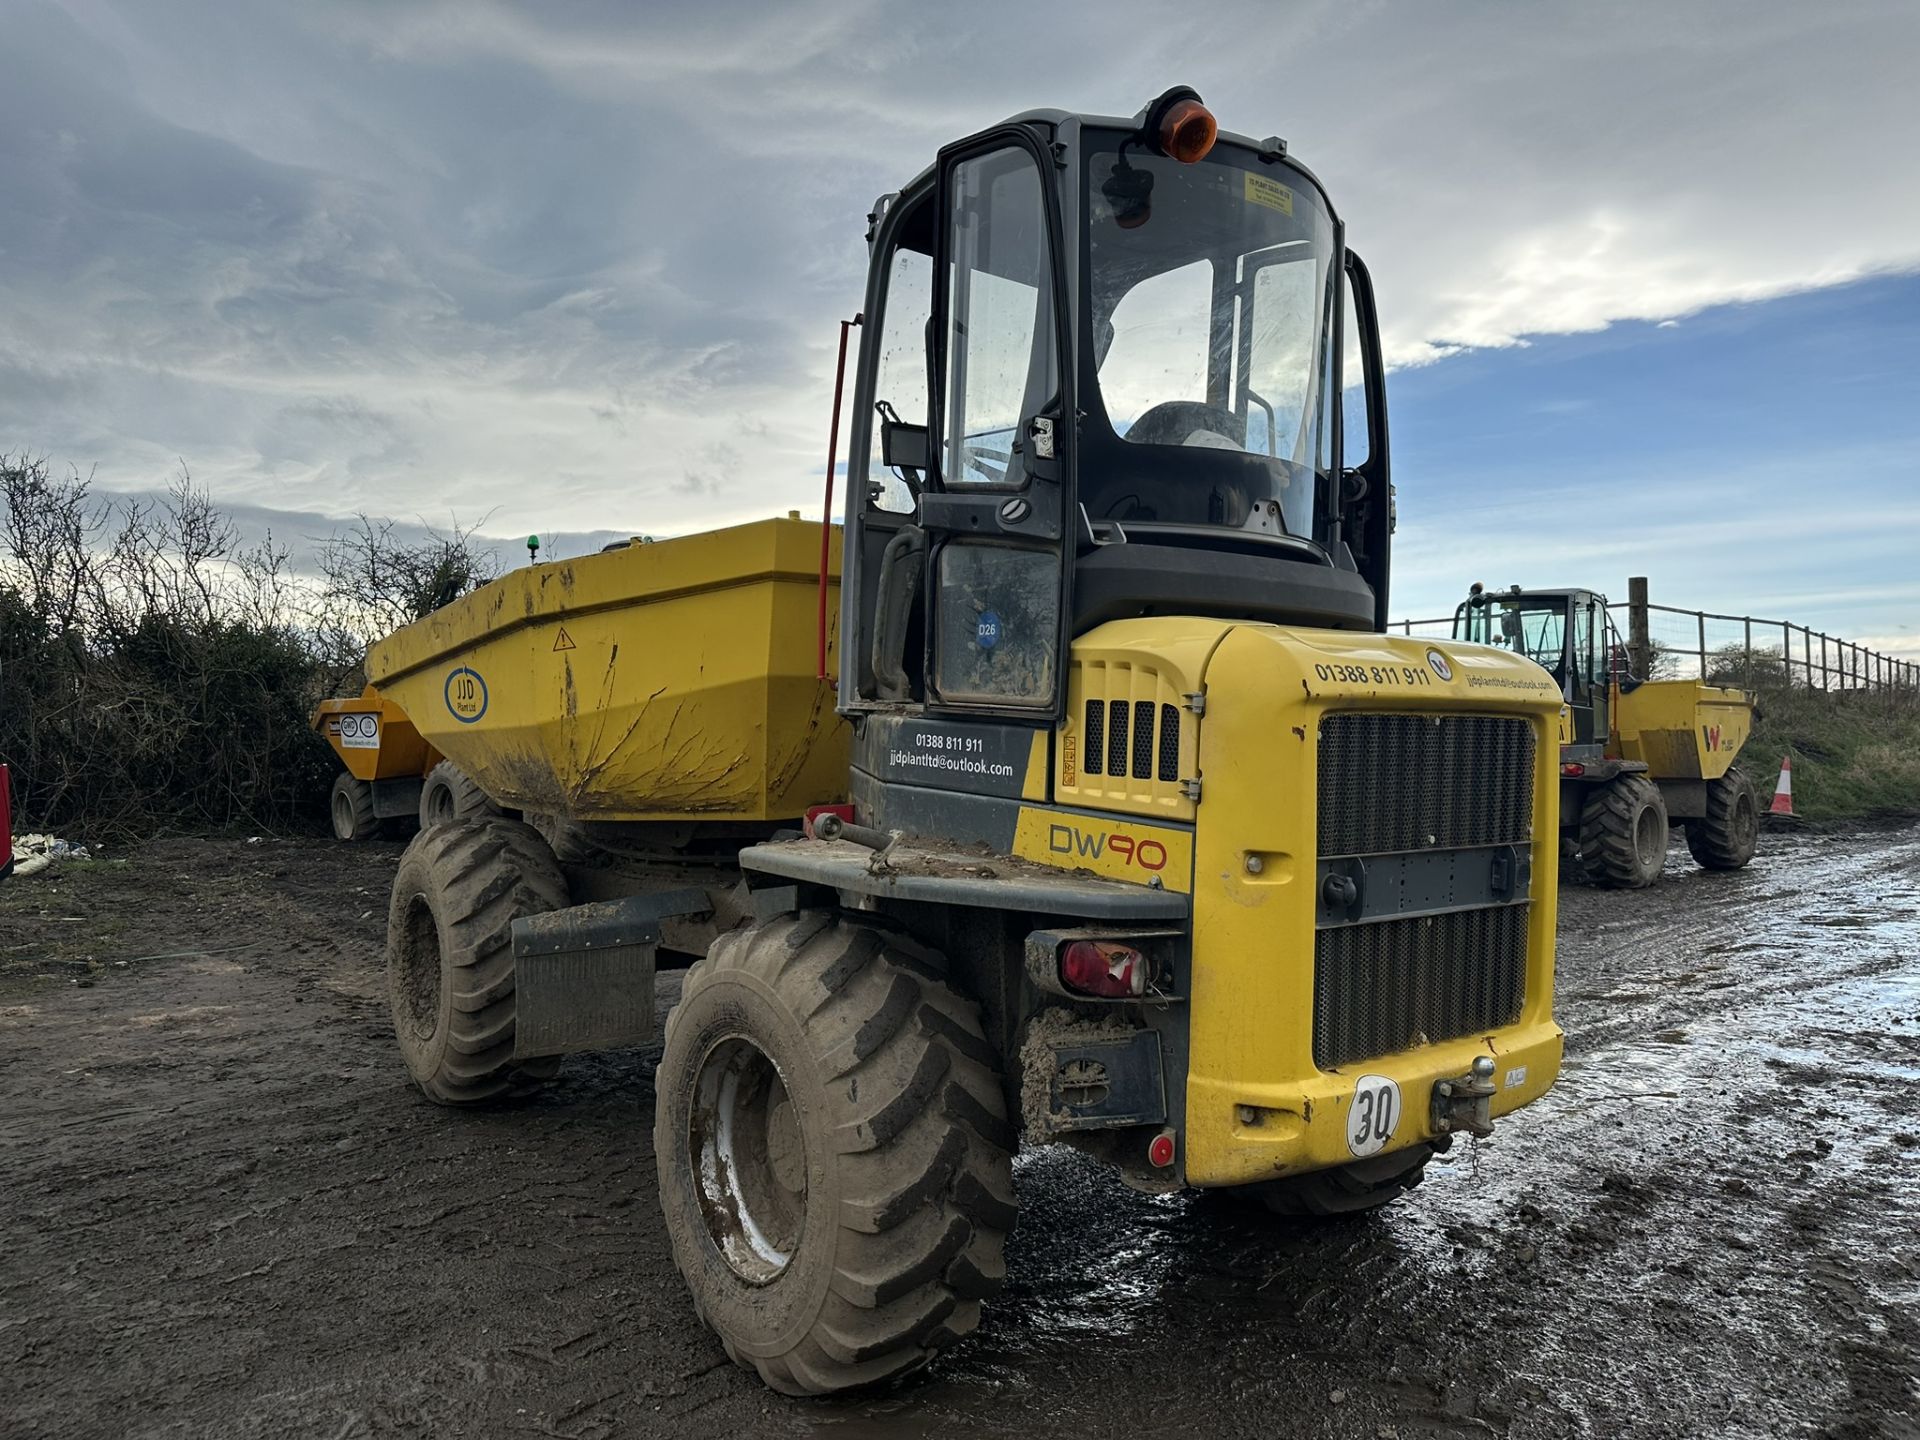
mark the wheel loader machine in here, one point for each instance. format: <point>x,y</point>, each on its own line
<point>1068,792</point>
<point>1636,756</point>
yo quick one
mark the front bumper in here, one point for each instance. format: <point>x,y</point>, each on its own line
<point>1239,1134</point>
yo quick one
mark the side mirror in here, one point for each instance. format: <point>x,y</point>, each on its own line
<point>904,446</point>
<point>1510,625</point>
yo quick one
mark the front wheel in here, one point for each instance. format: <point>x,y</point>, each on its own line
<point>834,1154</point>
<point>1725,837</point>
<point>351,808</point>
<point>450,794</point>
<point>1623,832</point>
<point>450,964</point>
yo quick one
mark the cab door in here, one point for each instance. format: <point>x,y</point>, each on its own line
<point>995,502</point>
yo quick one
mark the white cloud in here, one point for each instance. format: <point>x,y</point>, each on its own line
<point>580,267</point>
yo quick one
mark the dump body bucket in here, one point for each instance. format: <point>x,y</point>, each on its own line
<point>670,680</point>
<point>373,738</point>
<point>1682,729</point>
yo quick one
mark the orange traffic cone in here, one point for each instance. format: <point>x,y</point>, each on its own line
<point>1783,792</point>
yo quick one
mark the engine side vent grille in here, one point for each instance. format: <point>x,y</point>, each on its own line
<point>1169,743</point>
<point>1096,736</point>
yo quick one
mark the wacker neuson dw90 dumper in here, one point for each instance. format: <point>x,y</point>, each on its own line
<point>1122,824</point>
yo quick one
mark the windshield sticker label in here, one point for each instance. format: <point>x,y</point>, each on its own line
<point>1270,193</point>
<point>986,629</point>
<point>466,695</point>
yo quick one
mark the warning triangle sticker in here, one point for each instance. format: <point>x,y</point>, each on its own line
<point>563,641</point>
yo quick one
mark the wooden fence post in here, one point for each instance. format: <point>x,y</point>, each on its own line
<point>1639,641</point>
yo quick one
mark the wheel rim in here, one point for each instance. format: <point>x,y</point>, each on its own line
<point>748,1159</point>
<point>440,805</point>
<point>420,967</point>
<point>1648,836</point>
<point>342,816</point>
<point>1746,821</point>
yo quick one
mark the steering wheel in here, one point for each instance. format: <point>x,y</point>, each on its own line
<point>1172,421</point>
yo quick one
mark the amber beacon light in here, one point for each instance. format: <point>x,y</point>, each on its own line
<point>1188,130</point>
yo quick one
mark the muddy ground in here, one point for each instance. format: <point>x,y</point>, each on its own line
<point>223,1212</point>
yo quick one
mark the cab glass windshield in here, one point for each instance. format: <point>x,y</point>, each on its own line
<point>1536,629</point>
<point>1210,297</point>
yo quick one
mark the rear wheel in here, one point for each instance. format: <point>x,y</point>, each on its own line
<point>352,809</point>
<point>450,794</point>
<point>1724,838</point>
<point>835,1159</point>
<point>1623,832</point>
<point>450,984</point>
<point>1347,1189</point>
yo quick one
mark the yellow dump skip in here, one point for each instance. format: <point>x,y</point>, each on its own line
<point>672,680</point>
<point>373,737</point>
<point>1682,729</point>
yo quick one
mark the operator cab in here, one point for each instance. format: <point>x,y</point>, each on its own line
<point>1104,373</point>
<point>1568,633</point>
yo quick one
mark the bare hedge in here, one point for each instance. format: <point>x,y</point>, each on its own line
<point>156,674</point>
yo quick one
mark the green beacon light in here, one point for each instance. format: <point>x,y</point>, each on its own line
<point>533,549</point>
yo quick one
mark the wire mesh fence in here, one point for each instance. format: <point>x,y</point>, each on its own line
<point>1666,642</point>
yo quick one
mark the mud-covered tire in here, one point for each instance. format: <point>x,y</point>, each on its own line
<point>1725,837</point>
<point>1346,1189</point>
<point>839,1206</point>
<point>449,794</point>
<point>1623,832</point>
<point>450,985</point>
<point>351,808</point>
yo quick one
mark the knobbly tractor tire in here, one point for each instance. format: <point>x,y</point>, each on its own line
<point>449,794</point>
<point>834,1153</point>
<point>1623,833</point>
<point>1725,837</point>
<point>1346,1189</point>
<point>351,806</point>
<point>458,891</point>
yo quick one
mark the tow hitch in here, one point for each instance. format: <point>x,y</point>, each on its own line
<point>1466,1101</point>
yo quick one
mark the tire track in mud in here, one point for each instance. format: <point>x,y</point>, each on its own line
<point>226,1214</point>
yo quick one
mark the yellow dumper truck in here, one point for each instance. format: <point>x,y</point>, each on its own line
<point>1636,755</point>
<point>389,777</point>
<point>1095,807</point>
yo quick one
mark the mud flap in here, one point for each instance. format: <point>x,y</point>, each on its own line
<point>583,976</point>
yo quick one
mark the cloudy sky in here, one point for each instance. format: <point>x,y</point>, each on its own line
<point>1650,271</point>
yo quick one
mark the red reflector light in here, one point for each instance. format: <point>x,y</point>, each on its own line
<point>1100,967</point>
<point>1573,767</point>
<point>1160,1150</point>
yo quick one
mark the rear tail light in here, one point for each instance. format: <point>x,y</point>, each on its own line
<point>1573,767</point>
<point>1100,967</point>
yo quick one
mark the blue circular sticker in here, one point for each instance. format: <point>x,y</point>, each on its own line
<point>987,629</point>
<point>466,695</point>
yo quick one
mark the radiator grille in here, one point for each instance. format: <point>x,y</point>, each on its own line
<point>1419,782</point>
<point>1382,987</point>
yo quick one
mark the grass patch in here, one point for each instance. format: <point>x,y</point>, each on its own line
<point>1855,757</point>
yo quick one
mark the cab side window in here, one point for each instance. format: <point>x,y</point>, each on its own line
<point>900,374</point>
